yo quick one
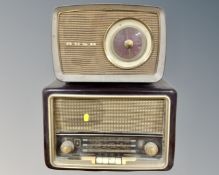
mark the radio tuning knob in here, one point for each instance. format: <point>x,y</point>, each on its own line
<point>128,44</point>
<point>67,147</point>
<point>151,149</point>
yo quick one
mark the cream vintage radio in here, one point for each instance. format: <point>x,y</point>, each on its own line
<point>109,126</point>
<point>109,43</point>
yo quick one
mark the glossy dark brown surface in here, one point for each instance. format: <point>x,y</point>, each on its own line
<point>159,88</point>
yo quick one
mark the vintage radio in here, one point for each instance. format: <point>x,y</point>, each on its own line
<point>109,126</point>
<point>109,43</point>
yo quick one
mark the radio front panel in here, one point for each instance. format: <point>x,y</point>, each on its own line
<point>120,132</point>
<point>109,43</point>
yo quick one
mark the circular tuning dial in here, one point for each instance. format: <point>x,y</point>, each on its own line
<point>128,43</point>
<point>151,149</point>
<point>67,147</point>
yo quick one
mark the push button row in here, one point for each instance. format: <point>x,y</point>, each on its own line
<point>109,160</point>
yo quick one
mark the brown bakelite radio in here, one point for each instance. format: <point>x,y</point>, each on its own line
<point>109,43</point>
<point>109,126</point>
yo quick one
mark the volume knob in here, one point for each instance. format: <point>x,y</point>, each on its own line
<point>67,147</point>
<point>151,149</point>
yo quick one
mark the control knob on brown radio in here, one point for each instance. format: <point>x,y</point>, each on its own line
<point>151,149</point>
<point>67,147</point>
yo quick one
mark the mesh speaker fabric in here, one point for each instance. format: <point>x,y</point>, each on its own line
<point>90,27</point>
<point>109,115</point>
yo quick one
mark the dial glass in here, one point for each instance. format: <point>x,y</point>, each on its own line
<point>128,43</point>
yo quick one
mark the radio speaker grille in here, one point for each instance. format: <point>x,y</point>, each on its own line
<point>90,27</point>
<point>109,115</point>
